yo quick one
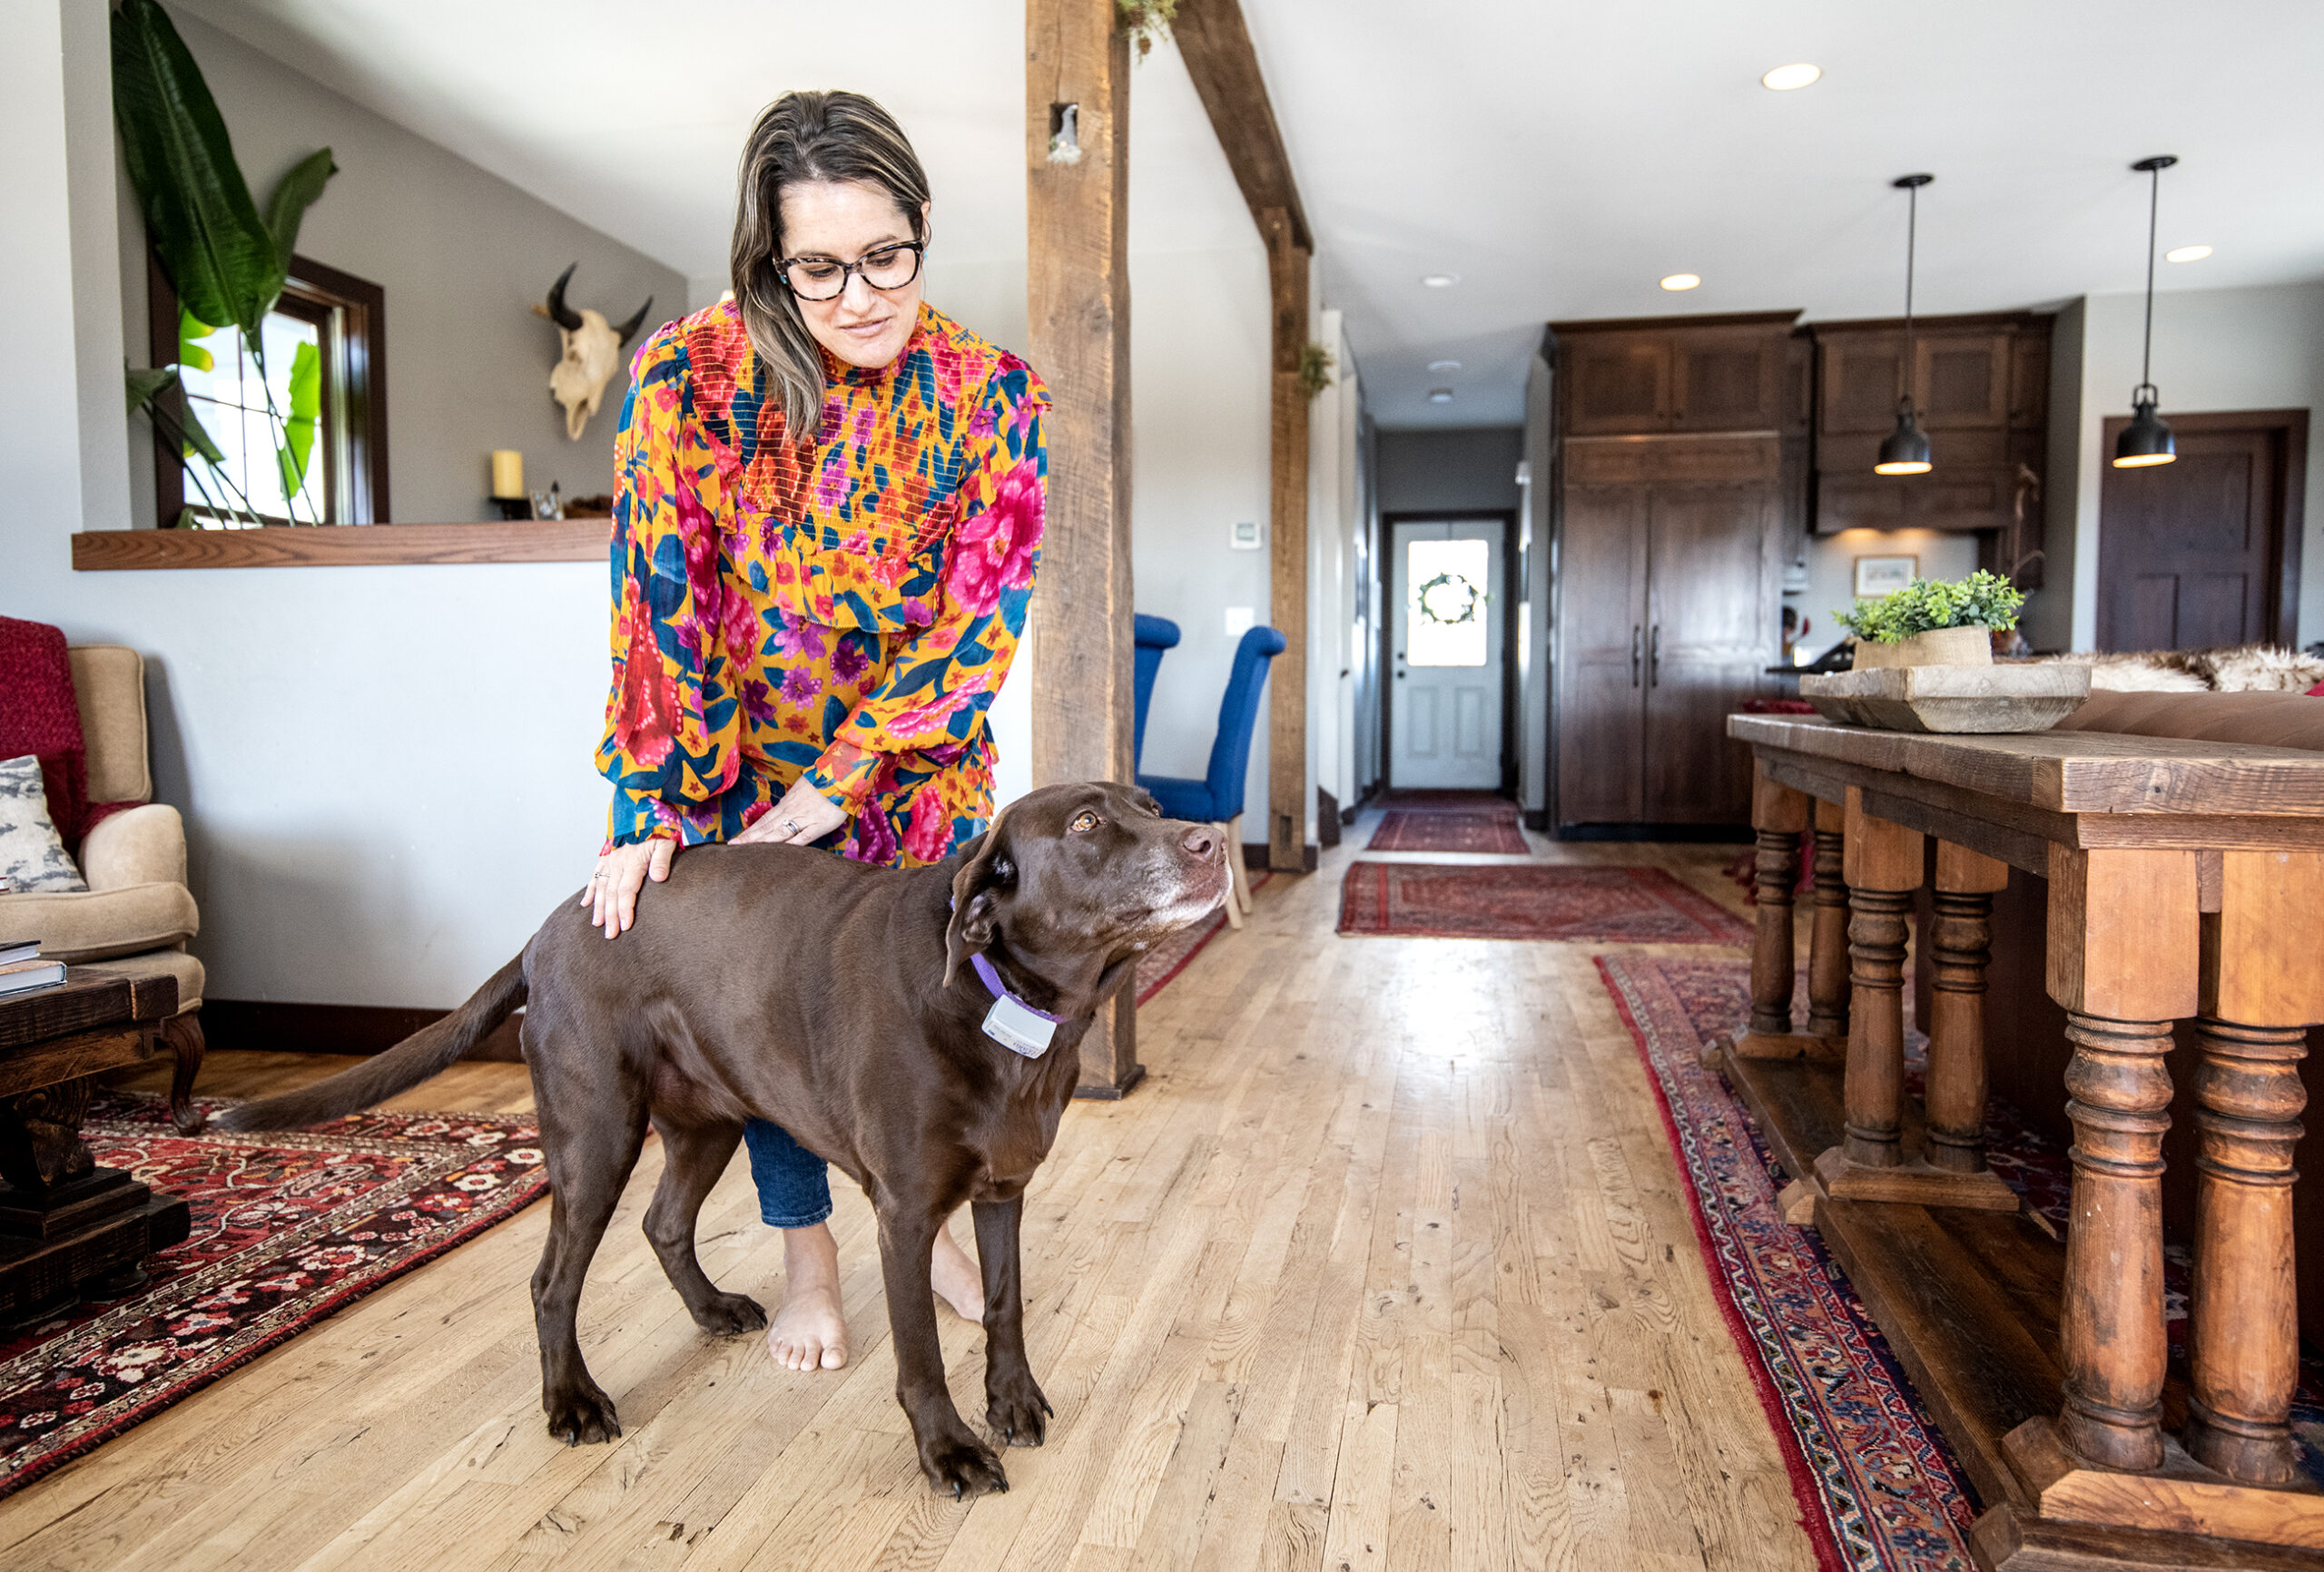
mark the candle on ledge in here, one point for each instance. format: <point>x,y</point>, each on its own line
<point>508,473</point>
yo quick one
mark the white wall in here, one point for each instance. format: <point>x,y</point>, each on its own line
<point>2214,349</point>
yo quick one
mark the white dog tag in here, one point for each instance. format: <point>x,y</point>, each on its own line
<point>1018,1027</point>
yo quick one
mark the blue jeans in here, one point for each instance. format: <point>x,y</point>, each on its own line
<point>795,1184</point>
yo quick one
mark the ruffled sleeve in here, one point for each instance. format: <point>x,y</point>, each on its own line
<point>942,679</point>
<point>673,727</point>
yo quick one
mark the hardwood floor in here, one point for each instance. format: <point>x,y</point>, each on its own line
<point>1387,1265</point>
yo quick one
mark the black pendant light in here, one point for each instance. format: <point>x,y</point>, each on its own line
<point>1907,450</point>
<point>2147,440</point>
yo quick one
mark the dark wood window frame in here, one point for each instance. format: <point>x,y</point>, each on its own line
<point>2288,459</point>
<point>355,449</point>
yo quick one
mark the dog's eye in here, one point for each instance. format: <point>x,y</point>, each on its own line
<point>1084,822</point>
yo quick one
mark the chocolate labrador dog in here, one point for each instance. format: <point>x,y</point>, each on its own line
<point>918,1027</point>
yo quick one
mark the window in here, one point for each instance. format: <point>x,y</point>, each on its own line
<point>1446,621</point>
<point>327,332</point>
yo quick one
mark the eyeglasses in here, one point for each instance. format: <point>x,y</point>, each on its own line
<point>825,278</point>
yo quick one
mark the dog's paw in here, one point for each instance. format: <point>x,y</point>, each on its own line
<point>731,1315</point>
<point>962,1469</point>
<point>1017,1411</point>
<point>583,1415</point>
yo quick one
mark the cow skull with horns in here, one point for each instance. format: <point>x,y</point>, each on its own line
<point>592,355</point>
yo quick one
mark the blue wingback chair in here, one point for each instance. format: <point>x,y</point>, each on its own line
<point>1154,635</point>
<point>1217,797</point>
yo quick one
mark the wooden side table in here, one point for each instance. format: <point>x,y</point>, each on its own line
<point>68,1228</point>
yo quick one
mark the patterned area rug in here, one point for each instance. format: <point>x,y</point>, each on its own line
<point>1453,829</point>
<point>1878,1486</point>
<point>1166,960</point>
<point>288,1228</point>
<point>1589,905</point>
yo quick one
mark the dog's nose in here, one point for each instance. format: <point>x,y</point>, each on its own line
<point>1199,841</point>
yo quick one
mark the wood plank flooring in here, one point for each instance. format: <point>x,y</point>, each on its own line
<point>1387,1265</point>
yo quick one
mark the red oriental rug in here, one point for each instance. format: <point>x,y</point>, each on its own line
<point>1878,1486</point>
<point>1541,900</point>
<point>289,1227</point>
<point>1456,830</point>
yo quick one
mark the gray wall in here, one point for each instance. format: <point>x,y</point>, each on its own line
<point>1472,468</point>
<point>462,256</point>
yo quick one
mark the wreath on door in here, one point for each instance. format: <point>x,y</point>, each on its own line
<point>1450,599</point>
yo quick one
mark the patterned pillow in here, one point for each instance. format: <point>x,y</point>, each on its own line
<point>31,855</point>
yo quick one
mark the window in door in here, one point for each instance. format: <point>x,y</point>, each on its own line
<point>1446,621</point>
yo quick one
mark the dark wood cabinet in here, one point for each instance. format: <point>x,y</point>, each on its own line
<point>1679,442</point>
<point>1980,385</point>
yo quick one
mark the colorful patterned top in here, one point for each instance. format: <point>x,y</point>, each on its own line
<point>845,609</point>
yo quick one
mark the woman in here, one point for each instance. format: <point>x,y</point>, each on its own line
<point>826,527</point>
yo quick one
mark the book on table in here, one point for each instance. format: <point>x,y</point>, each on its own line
<point>21,968</point>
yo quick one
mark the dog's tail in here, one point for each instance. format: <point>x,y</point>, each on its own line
<point>408,1063</point>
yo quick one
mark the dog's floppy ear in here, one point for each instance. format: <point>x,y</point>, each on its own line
<point>975,903</point>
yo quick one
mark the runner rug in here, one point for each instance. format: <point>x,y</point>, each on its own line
<point>1540,900</point>
<point>288,1228</point>
<point>1453,829</point>
<point>1878,1486</point>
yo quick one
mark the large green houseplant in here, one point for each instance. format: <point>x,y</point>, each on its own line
<point>1933,623</point>
<point>227,262</point>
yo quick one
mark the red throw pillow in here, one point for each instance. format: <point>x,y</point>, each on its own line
<point>2317,692</point>
<point>38,715</point>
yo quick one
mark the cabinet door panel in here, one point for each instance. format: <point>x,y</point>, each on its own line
<point>1962,380</point>
<point>1708,638</point>
<point>1725,379</point>
<point>1861,379</point>
<point>1602,600</point>
<point>1619,383</point>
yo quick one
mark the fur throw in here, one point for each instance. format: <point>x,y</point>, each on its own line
<point>2246,669</point>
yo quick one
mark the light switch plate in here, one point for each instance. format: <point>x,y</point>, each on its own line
<point>1238,621</point>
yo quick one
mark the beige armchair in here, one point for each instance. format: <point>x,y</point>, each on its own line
<point>137,914</point>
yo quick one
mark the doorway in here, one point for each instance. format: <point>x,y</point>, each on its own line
<point>1448,635</point>
<point>2204,552</point>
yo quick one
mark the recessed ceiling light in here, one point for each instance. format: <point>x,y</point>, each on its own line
<point>1440,280</point>
<point>1784,78</point>
<point>2187,254</point>
<point>1682,280</point>
<point>1440,395</point>
<point>1444,364</point>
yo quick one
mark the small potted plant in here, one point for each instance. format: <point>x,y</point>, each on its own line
<point>1932,623</point>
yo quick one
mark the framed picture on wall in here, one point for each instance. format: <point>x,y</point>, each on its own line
<point>1879,576</point>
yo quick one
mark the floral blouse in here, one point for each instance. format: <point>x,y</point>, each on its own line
<point>843,609</point>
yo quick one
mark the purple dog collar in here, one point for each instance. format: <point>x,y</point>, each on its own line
<point>990,975</point>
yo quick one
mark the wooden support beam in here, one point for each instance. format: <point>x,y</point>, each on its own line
<point>1216,45</point>
<point>1076,189</point>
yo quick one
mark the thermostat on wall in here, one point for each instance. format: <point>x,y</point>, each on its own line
<point>1246,536</point>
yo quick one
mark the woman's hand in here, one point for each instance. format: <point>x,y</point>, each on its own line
<point>611,894</point>
<point>804,814</point>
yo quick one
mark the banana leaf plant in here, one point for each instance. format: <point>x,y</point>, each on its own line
<point>227,262</point>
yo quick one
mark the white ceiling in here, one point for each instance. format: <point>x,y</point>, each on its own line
<point>1561,157</point>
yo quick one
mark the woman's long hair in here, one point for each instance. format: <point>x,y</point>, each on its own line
<point>808,136</point>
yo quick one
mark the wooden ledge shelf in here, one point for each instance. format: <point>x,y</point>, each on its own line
<point>342,546</point>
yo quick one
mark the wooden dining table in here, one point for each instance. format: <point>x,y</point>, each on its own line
<point>2186,881</point>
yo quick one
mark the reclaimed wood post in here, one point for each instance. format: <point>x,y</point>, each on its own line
<point>1076,188</point>
<point>1827,933</point>
<point>1780,815</point>
<point>2124,945</point>
<point>1960,942</point>
<point>2261,987</point>
<point>1883,867</point>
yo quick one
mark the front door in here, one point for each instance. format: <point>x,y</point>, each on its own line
<point>2191,553</point>
<point>1445,696</point>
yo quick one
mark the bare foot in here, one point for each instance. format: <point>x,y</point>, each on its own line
<point>959,1281</point>
<point>808,1333</point>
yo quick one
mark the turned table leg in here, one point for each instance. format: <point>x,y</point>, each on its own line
<point>2261,987</point>
<point>1780,815</point>
<point>181,1034</point>
<point>1883,869</point>
<point>1828,934</point>
<point>1959,944</point>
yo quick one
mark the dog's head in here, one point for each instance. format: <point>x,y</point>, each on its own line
<point>1089,870</point>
